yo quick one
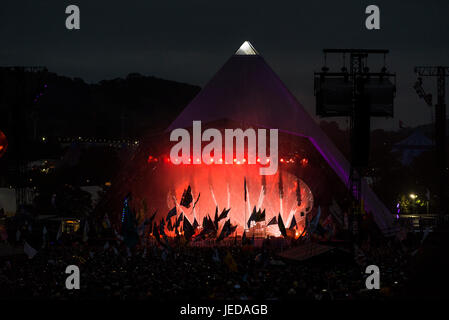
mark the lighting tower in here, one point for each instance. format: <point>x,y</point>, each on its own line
<point>440,73</point>
<point>358,94</point>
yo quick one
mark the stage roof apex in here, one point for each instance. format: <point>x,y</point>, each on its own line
<point>246,49</point>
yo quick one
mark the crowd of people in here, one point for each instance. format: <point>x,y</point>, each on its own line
<point>109,270</point>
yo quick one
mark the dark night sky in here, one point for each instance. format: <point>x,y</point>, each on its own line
<point>187,41</point>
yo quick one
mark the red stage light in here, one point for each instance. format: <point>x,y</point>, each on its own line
<point>304,162</point>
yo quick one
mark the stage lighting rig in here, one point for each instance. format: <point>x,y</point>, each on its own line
<point>440,73</point>
<point>359,94</point>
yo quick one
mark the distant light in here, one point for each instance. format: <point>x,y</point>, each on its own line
<point>44,138</point>
<point>413,196</point>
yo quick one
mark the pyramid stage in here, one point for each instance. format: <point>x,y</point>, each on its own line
<point>244,94</point>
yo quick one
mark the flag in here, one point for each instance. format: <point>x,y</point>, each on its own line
<point>195,224</point>
<point>162,227</point>
<point>402,125</point>
<point>292,223</point>
<point>129,228</point>
<point>260,216</point>
<point>224,214</point>
<point>230,262</point>
<point>156,232</point>
<point>44,236</point>
<point>272,221</point>
<point>211,224</point>
<point>188,229</point>
<point>178,221</point>
<point>244,186</point>
<point>86,231</point>
<point>157,235</point>
<point>315,220</point>
<point>425,234</point>
<point>215,256</point>
<point>150,222</point>
<point>170,225</point>
<point>244,240</point>
<point>106,222</point>
<point>119,237</point>
<point>29,250</point>
<point>216,218</point>
<point>225,231</point>
<point>336,212</point>
<point>186,198</point>
<point>282,226</point>
<point>171,213</point>
<point>194,205</point>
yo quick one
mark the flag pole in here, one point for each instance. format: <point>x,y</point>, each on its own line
<point>244,186</point>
